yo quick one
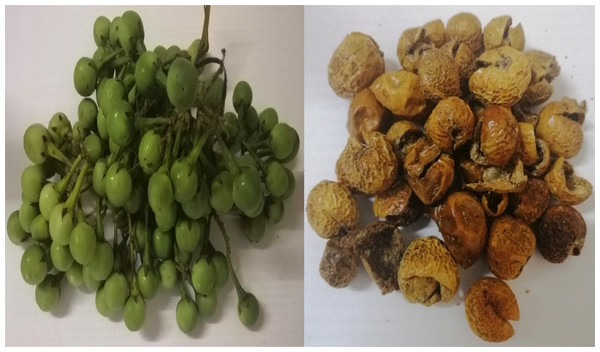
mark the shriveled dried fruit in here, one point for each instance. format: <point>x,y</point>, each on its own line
<point>464,58</point>
<point>400,92</point>
<point>561,233</point>
<point>355,63</point>
<point>498,32</point>
<point>411,45</point>
<point>528,148</point>
<point>494,204</point>
<point>499,135</point>
<point>539,168</point>
<point>465,28</point>
<point>439,75</point>
<point>450,124</point>
<point>524,114</point>
<point>502,179</point>
<point>471,171</point>
<point>510,245</point>
<point>331,209</point>
<point>567,187</point>
<point>501,77</point>
<point>489,304</point>
<point>339,264</point>
<point>429,172</point>
<point>560,127</point>
<point>365,114</point>
<point>368,167</point>
<point>403,135</point>
<point>428,273</point>
<point>398,205</point>
<point>461,221</point>
<point>380,248</point>
<point>531,203</point>
<point>434,33</point>
<point>544,69</point>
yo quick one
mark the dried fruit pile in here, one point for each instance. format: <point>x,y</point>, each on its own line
<point>157,153</point>
<point>456,136</point>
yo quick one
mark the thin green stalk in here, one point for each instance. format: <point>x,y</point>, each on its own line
<point>238,287</point>
<point>70,203</point>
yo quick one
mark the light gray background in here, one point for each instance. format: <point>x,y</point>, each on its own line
<point>556,300</point>
<point>264,47</point>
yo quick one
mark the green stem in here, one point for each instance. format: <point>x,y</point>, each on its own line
<point>99,224</point>
<point>61,186</point>
<point>167,157</point>
<point>109,57</point>
<point>121,61</point>
<point>238,287</point>
<point>53,151</point>
<point>148,238</point>
<point>175,152</point>
<point>259,161</point>
<point>161,78</point>
<point>203,47</point>
<point>141,123</point>
<point>182,289</point>
<point>198,145</point>
<point>230,162</point>
<point>70,203</point>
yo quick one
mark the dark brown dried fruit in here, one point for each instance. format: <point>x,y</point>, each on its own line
<point>398,205</point>
<point>380,248</point>
<point>339,264</point>
<point>510,245</point>
<point>494,204</point>
<point>561,233</point>
<point>531,203</point>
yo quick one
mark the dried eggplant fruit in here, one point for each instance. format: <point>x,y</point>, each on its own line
<point>400,92</point>
<point>561,233</point>
<point>510,245</point>
<point>450,124</point>
<point>560,127</point>
<point>398,205</point>
<point>565,186</point>
<point>339,264</point>
<point>506,179</point>
<point>331,209</point>
<point>531,203</point>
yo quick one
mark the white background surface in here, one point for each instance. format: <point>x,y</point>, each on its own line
<point>556,301</point>
<point>264,47</point>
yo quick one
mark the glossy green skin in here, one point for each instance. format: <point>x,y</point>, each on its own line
<point>203,276</point>
<point>40,231</point>
<point>101,124</point>
<point>102,262</point>
<point>61,256</point>
<point>162,242</point>
<point>85,76</point>
<point>140,231</point>
<point>165,220</point>
<point>75,275</point>
<point>59,128</point>
<point>130,31</point>
<point>247,190</point>
<point>186,315</point>
<point>134,313</point>
<point>120,124</point>
<point>150,152</point>
<point>182,83</point>
<point>93,148</point>
<point>99,177</point>
<point>118,185</point>
<point>248,310</point>
<point>145,71</point>
<point>113,31</point>
<point>219,262</point>
<point>87,112</point>
<point>134,203</point>
<point>277,179</point>
<point>27,212</point>
<point>34,264</point>
<point>47,293</point>
<point>116,289</point>
<point>82,244</point>
<point>14,230</point>
<point>160,191</point>
<point>161,52</point>
<point>101,28</point>
<point>255,228</point>
<point>246,160</point>
<point>34,143</point>
<point>49,198</point>
<point>189,233</point>
<point>258,208</point>
<point>168,274</point>
<point>109,92</point>
<point>221,189</point>
<point>184,179</point>
<point>199,205</point>
<point>250,117</point>
<point>101,305</point>
<point>284,142</point>
<point>148,281</point>
<point>267,119</point>
<point>207,304</point>
<point>242,96</point>
<point>32,181</point>
<point>291,185</point>
<point>274,211</point>
<point>90,283</point>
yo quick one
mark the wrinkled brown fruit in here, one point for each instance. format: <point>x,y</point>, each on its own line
<point>368,167</point>
<point>489,304</point>
<point>565,186</point>
<point>494,204</point>
<point>560,127</point>
<point>364,114</point>
<point>561,233</point>
<point>499,135</point>
<point>465,28</point>
<point>331,209</point>
<point>461,221</point>
<point>510,245</point>
<point>403,135</point>
<point>398,205</point>
<point>339,264</point>
<point>507,179</point>
<point>498,32</point>
<point>428,273</point>
<point>531,203</point>
<point>399,92</point>
<point>439,75</point>
<point>544,69</point>
<point>450,124</point>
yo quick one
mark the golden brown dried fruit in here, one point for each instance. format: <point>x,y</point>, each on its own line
<point>450,124</point>
<point>523,114</point>
<point>544,69</point>
<point>499,135</point>
<point>331,209</point>
<point>560,127</point>
<point>461,220</point>
<point>528,148</point>
<point>400,92</point>
<point>561,233</point>
<point>488,305</point>
<point>428,273</point>
<point>398,205</point>
<point>410,47</point>
<point>339,264</point>
<point>434,33</point>
<point>531,203</point>
<point>439,75</point>
<point>494,204</point>
<point>403,135</point>
<point>498,33</point>
<point>471,171</point>
<point>510,245</point>
<point>355,63</point>
<point>429,172</point>
<point>502,75</point>
<point>465,28</point>
<point>365,114</point>
<point>539,168</point>
<point>567,187</point>
<point>501,179</point>
<point>380,247</point>
<point>368,167</point>
<point>464,58</point>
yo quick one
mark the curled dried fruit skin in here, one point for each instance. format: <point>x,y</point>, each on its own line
<point>355,63</point>
<point>398,205</point>
<point>559,126</point>
<point>531,203</point>
<point>499,135</point>
<point>400,92</point>
<point>502,75</point>
<point>464,58</point>
<point>561,233</point>
<point>428,273</point>
<point>450,124</point>
<point>368,167</point>
<point>439,75</point>
<point>434,32</point>
<point>465,27</point>
<point>528,148</point>
<point>339,264</point>
<point>538,169</point>
<point>364,114</point>
<point>501,179</point>
<point>544,69</point>
<point>331,209</point>
<point>567,187</point>
<point>494,204</point>
<point>461,220</point>
<point>489,304</point>
<point>498,33</point>
<point>403,135</point>
<point>380,248</point>
<point>410,47</point>
<point>510,245</point>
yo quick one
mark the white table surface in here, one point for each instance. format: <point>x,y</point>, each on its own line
<point>556,301</point>
<point>264,47</point>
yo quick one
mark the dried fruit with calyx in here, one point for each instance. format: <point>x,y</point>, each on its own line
<point>560,127</point>
<point>428,273</point>
<point>498,32</point>
<point>510,245</point>
<point>368,167</point>
<point>364,114</point>
<point>339,264</point>
<point>331,209</point>
<point>567,187</point>
<point>450,124</point>
<point>489,304</point>
<point>400,92</point>
<point>561,233</point>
